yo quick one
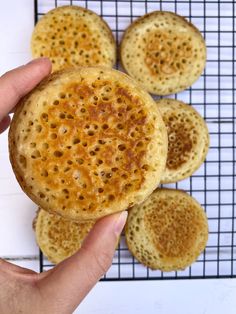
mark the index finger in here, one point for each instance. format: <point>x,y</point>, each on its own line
<point>17,83</point>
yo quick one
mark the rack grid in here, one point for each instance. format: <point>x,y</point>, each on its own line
<point>213,96</point>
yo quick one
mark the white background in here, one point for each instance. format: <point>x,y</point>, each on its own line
<point>17,211</point>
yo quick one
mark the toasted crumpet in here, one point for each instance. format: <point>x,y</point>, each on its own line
<point>168,231</point>
<point>188,139</point>
<point>72,36</point>
<point>88,142</point>
<point>164,52</point>
<point>57,237</point>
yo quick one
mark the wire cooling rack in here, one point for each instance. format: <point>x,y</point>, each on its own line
<point>213,95</point>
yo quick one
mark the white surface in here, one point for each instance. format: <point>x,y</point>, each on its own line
<point>169,297</point>
<point>17,211</point>
<point>16,25</point>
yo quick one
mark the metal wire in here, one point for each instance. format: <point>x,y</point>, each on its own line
<point>213,95</point>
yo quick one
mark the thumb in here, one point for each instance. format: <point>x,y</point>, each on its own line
<point>70,281</point>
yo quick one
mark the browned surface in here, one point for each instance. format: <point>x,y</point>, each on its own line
<point>181,139</point>
<point>77,158</point>
<point>174,226</point>
<point>188,139</point>
<point>85,149</point>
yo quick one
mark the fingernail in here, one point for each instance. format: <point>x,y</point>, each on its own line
<point>120,222</point>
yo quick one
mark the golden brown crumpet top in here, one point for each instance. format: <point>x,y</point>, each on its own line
<point>88,142</point>
<point>188,139</point>
<point>57,237</point>
<point>168,231</point>
<point>164,52</point>
<point>73,36</point>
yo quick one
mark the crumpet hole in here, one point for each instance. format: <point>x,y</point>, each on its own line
<point>58,153</point>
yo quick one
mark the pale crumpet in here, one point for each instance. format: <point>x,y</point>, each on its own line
<point>71,36</point>
<point>164,52</point>
<point>57,237</point>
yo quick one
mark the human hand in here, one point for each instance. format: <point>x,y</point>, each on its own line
<point>17,83</point>
<point>61,289</point>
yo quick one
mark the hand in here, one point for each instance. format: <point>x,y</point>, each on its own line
<point>17,83</point>
<point>61,289</point>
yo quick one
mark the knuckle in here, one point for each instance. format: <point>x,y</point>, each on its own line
<point>100,262</point>
<point>5,74</point>
<point>103,261</point>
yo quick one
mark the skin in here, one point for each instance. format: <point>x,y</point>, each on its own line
<point>61,289</point>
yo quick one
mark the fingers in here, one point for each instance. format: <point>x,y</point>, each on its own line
<point>70,281</point>
<point>4,124</point>
<point>17,271</point>
<point>18,82</point>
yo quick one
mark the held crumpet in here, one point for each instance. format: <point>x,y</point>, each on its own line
<point>168,231</point>
<point>57,237</point>
<point>188,139</point>
<point>73,36</point>
<point>164,52</point>
<point>88,142</point>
